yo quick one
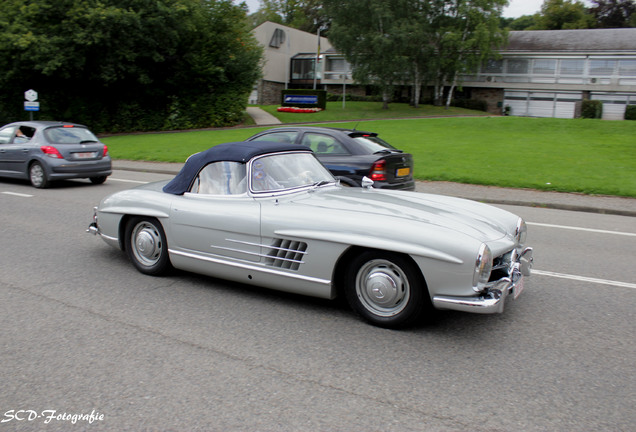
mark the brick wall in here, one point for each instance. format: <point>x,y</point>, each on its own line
<point>269,92</point>
<point>493,97</point>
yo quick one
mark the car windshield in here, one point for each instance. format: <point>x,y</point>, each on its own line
<point>373,144</point>
<point>286,171</point>
<point>69,135</point>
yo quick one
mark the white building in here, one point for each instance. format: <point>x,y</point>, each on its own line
<point>544,73</point>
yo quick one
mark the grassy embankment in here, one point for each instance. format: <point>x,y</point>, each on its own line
<point>587,156</point>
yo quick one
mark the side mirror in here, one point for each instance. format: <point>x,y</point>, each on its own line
<point>367,183</point>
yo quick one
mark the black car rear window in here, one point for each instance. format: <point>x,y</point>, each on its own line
<point>69,135</point>
<point>373,143</point>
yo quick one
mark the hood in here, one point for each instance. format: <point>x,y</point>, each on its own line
<point>476,220</point>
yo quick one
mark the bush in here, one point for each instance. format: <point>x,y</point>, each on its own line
<point>630,112</point>
<point>592,109</point>
<point>332,97</point>
<point>473,104</point>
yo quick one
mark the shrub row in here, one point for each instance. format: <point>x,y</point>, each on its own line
<point>592,109</point>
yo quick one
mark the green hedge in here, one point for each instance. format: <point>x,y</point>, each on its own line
<point>332,97</point>
<point>630,112</point>
<point>592,109</point>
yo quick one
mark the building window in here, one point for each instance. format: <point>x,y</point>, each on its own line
<point>492,67</point>
<point>602,67</point>
<point>627,68</point>
<point>336,64</point>
<point>517,66</point>
<point>572,67</point>
<point>544,67</point>
<point>303,69</point>
<point>278,38</point>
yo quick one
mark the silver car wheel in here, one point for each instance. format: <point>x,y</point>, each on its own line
<point>147,245</point>
<point>37,176</point>
<point>382,288</point>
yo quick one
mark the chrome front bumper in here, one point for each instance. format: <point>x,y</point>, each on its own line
<point>93,228</point>
<point>493,299</point>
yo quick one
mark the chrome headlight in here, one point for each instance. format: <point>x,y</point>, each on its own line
<point>521,232</point>
<point>483,267</point>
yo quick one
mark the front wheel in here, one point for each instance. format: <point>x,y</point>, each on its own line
<point>37,176</point>
<point>386,289</point>
<point>146,246</point>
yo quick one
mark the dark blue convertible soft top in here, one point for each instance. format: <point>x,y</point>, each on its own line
<point>232,152</point>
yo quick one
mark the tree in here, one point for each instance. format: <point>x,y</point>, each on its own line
<point>370,45</point>
<point>128,64</point>
<point>402,41</point>
<point>464,33</point>
<point>614,13</point>
<point>305,15</point>
<point>563,15</point>
<point>524,22</point>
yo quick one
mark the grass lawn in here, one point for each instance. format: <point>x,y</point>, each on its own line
<point>587,156</point>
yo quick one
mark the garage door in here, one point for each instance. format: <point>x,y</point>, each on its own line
<point>542,104</point>
<point>614,104</point>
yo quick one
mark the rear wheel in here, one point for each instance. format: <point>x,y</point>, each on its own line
<point>386,289</point>
<point>37,176</point>
<point>146,245</point>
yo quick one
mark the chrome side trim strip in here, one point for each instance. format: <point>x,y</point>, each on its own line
<point>250,267</point>
<point>266,246</point>
<point>261,255</point>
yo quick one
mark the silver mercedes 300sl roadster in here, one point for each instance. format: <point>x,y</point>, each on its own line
<point>271,215</point>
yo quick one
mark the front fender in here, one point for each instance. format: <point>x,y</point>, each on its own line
<point>372,242</point>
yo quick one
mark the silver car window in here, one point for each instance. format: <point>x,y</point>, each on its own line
<point>69,135</point>
<point>6,134</point>
<point>221,178</point>
<point>287,171</point>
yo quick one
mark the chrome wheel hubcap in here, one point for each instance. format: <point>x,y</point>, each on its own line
<point>147,245</point>
<point>382,287</point>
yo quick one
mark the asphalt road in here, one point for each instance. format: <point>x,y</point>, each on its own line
<point>84,333</point>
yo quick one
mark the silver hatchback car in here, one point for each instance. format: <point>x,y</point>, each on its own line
<point>45,151</point>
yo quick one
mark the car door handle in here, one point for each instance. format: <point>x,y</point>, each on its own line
<point>25,150</point>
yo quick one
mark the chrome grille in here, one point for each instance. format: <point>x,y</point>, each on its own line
<point>502,265</point>
<point>286,254</point>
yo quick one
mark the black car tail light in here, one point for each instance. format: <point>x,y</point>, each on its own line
<point>378,170</point>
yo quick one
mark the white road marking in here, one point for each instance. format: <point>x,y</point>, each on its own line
<point>582,229</point>
<point>18,194</point>
<point>127,181</point>
<point>584,279</point>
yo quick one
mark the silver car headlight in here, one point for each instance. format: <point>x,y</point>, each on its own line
<point>521,232</point>
<point>483,267</point>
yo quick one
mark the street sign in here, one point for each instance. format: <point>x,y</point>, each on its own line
<point>32,106</point>
<point>31,95</point>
